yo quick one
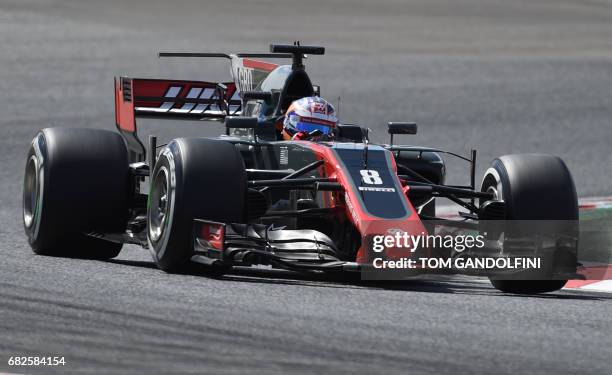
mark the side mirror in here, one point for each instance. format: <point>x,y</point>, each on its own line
<point>351,132</point>
<point>401,128</point>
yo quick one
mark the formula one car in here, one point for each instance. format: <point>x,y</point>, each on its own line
<point>249,198</point>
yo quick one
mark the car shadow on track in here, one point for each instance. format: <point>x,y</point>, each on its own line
<point>133,263</point>
<point>454,284</point>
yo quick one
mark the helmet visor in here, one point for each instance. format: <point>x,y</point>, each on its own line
<point>309,127</point>
<point>309,124</point>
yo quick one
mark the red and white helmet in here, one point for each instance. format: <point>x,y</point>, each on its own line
<point>308,114</point>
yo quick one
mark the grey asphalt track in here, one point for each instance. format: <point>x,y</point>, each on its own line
<point>501,76</point>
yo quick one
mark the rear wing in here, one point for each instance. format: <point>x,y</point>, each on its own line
<point>185,100</point>
<point>195,100</point>
<point>156,98</point>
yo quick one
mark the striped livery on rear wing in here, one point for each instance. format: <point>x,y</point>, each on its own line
<point>170,99</point>
<point>191,100</point>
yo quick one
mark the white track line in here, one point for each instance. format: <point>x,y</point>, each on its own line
<point>604,286</point>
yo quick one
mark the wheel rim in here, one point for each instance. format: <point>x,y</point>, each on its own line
<point>491,183</point>
<point>159,205</point>
<point>31,192</point>
<point>493,190</point>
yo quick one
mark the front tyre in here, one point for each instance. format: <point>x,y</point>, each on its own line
<point>194,178</point>
<point>535,187</point>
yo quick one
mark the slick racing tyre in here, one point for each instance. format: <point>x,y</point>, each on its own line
<point>193,178</point>
<point>535,187</point>
<point>76,182</point>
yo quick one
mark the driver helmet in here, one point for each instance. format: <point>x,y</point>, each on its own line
<point>309,114</point>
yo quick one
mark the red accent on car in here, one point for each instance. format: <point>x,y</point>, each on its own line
<point>259,65</point>
<point>124,105</point>
<point>212,234</point>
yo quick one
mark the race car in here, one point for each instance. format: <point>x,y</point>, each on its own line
<point>249,197</point>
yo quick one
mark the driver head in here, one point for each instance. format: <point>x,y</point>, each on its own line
<point>308,115</point>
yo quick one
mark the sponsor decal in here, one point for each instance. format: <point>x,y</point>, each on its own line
<point>318,107</point>
<point>378,189</point>
<point>372,177</point>
<point>245,78</point>
<point>191,108</point>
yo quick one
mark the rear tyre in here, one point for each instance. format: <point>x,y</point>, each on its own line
<point>76,182</point>
<point>534,187</point>
<point>194,178</point>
